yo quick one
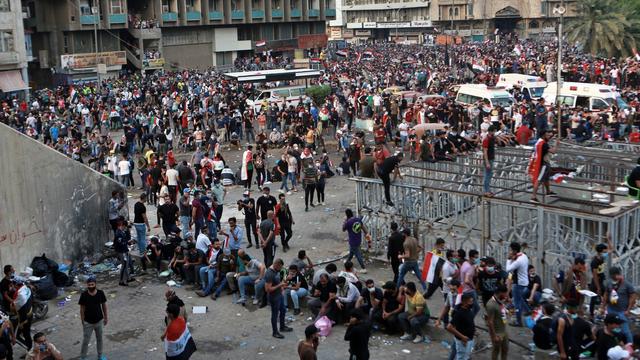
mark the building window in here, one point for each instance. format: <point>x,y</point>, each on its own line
<point>470,9</point>
<point>5,5</point>
<point>235,4</point>
<point>213,5</point>
<point>450,13</point>
<point>275,4</point>
<point>165,6</point>
<point>65,42</point>
<point>116,7</point>
<point>191,4</point>
<point>534,24</point>
<point>456,12</point>
<point>6,41</point>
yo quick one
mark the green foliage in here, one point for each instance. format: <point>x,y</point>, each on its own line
<point>606,27</point>
<point>318,93</point>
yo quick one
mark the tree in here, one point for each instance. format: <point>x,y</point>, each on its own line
<point>606,27</point>
<point>318,93</point>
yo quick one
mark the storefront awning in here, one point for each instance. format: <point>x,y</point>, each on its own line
<point>11,81</point>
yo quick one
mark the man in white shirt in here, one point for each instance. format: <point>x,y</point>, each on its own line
<point>173,179</point>
<point>518,262</point>
<point>203,242</point>
<point>124,168</point>
<point>403,128</point>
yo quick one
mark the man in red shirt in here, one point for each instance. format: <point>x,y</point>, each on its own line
<point>524,134</point>
<point>379,134</point>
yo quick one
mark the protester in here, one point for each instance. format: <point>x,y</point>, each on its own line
<point>178,343</point>
<point>358,334</point>
<point>308,347</point>
<point>93,316</point>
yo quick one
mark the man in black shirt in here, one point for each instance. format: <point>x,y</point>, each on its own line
<point>389,165</point>
<point>93,315</point>
<point>141,222</point>
<point>395,248</point>
<point>195,259</point>
<point>358,334</point>
<point>598,275</point>
<point>265,203</point>
<point>273,286</point>
<point>462,327</point>
<point>185,174</point>
<point>324,298</point>
<point>634,180</point>
<point>609,336</point>
<point>285,220</point>
<point>5,288</point>
<point>169,214</point>
<point>488,280</point>
<point>370,300</point>
<point>248,206</point>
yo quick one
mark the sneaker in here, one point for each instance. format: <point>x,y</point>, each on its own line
<point>201,293</point>
<point>390,203</point>
<point>406,337</point>
<point>249,246</point>
<point>288,192</point>
<point>418,340</point>
<point>241,300</point>
<point>281,191</point>
<point>534,200</point>
<point>363,271</point>
<point>255,301</point>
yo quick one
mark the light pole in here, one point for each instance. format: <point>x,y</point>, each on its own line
<point>396,16</point>
<point>96,17</point>
<point>559,10</point>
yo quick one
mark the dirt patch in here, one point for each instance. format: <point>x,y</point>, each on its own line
<point>124,336</point>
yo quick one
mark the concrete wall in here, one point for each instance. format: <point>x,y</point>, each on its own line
<point>50,203</point>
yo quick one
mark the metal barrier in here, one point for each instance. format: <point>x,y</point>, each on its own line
<point>444,200</point>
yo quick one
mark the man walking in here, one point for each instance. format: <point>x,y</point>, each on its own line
<point>463,328</point>
<point>496,322</point>
<point>93,316</point>
<point>358,334</point>
<point>395,248</point>
<point>267,238</point>
<point>410,258</point>
<point>285,220</point>
<point>354,228</point>
<point>248,207</point>
<point>488,155</point>
<point>273,287</point>
<point>518,262</point>
<point>121,246</point>
<point>265,203</point>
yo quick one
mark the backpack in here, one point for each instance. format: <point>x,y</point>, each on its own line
<point>544,332</point>
<point>206,210</point>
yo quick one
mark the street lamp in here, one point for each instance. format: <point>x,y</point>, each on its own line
<point>96,17</point>
<point>559,10</point>
<point>395,16</point>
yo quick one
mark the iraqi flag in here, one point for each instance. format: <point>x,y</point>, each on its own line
<point>261,43</point>
<point>431,270</point>
<point>178,343</point>
<point>342,53</point>
<point>535,163</point>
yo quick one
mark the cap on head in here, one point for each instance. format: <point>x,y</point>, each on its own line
<point>613,319</point>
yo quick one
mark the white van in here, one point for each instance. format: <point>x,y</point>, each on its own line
<point>472,93</point>
<point>289,95</point>
<point>531,86</point>
<point>595,97</point>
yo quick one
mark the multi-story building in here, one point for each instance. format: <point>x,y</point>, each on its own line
<point>410,20</point>
<point>14,79</point>
<point>73,35</point>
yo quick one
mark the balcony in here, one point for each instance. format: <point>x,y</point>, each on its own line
<point>330,12</point>
<point>216,15</point>
<point>277,14</point>
<point>194,16</point>
<point>9,57</point>
<point>314,12</point>
<point>153,33</point>
<point>296,13</point>
<point>257,14</point>
<point>88,19</point>
<point>237,15</point>
<point>169,17</point>
<point>117,18</point>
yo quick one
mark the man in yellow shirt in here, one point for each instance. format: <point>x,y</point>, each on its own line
<point>415,316</point>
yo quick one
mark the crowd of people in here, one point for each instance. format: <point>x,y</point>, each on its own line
<point>136,22</point>
<point>170,133</point>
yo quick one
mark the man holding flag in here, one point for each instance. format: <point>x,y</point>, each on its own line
<point>178,343</point>
<point>432,267</point>
<point>539,168</point>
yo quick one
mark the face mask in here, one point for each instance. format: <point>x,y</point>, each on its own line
<point>574,316</point>
<point>617,330</point>
<point>476,262</point>
<point>605,256</point>
<point>372,289</point>
<point>532,275</point>
<point>455,260</point>
<point>490,269</point>
<point>43,347</point>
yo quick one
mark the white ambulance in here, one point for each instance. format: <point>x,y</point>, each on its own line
<point>531,86</point>
<point>469,94</point>
<point>595,97</point>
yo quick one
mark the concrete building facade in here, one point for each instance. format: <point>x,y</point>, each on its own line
<point>174,34</point>
<point>14,78</point>
<point>473,20</point>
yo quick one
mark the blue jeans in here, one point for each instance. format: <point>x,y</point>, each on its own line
<point>519,302</point>
<point>278,311</point>
<point>408,266</point>
<point>624,326</point>
<point>243,281</point>
<point>295,297</point>
<point>463,352</point>
<point>199,224</point>
<point>284,183</point>
<point>221,286</point>
<point>488,174</point>
<point>292,177</point>
<point>184,221</point>
<point>141,236</point>
<point>211,279</point>
<point>536,297</point>
<point>355,250</point>
<point>211,225</point>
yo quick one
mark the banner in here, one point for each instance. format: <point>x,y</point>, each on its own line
<point>312,41</point>
<point>154,63</point>
<point>364,33</point>
<point>88,60</point>
<point>335,33</point>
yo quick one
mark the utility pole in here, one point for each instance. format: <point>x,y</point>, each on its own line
<point>559,10</point>
<point>96,15</point>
